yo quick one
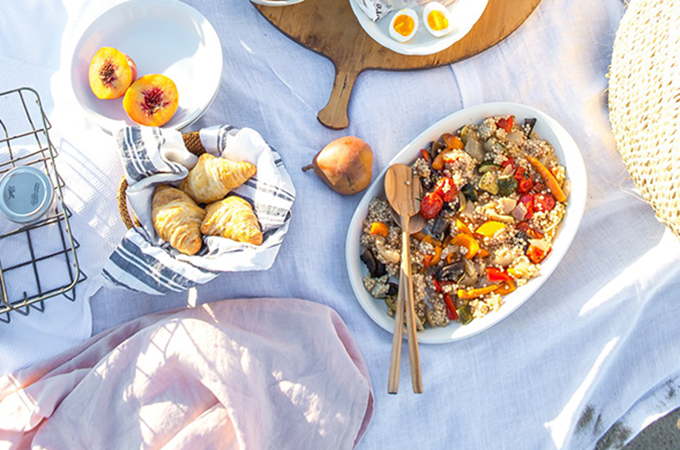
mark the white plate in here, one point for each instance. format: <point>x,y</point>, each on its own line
<point>568,154</point>
<point>464,14</point>
<point>162,36</point>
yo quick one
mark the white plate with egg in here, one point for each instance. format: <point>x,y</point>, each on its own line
<point>423,27</point>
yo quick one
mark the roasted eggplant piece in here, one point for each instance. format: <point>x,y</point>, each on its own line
<point>529,125</point>
<point>452,272</point>
<point>437,147</point>
<point>375,268</point>
<point>426,183</point>
<point>439,227</point>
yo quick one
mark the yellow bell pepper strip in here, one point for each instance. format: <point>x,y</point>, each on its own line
<point>467,241</point>
<point>426,238</point>
<point>490,227</point>
<point>380,228</point>
<point>462,227</point>
<point>475,293</point>
<point>506,288</point>
<point>548,177</point>
<point>436,257</point>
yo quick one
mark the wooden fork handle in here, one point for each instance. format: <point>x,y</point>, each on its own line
<point>397,339</point>
<point>411,331</point>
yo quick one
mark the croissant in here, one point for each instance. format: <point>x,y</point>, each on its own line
<point>177,219</point>
<point>212,178</point>
<point>232,218</point>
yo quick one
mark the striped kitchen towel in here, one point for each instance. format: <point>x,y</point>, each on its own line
<point>151,156</point>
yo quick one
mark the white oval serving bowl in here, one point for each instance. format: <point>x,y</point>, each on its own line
<point>569,155</point>
<point>161,36</point>
<point>464,14</point>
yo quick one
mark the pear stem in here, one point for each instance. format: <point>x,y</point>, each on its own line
<point>308,167</point>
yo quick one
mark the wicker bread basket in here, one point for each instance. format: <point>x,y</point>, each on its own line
<point>644,102</point>
<point>192,142</point>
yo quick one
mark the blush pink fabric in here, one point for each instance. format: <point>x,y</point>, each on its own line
<point>236,374</point>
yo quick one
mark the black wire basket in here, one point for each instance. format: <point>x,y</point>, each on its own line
<point>38,260</point>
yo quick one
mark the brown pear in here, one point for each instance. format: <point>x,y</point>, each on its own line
<point>345,165</point>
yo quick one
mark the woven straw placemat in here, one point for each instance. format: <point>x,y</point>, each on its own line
<point>644,102</point>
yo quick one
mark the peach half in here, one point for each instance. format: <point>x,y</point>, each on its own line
<point>111,73</point>
<point>152,100</point>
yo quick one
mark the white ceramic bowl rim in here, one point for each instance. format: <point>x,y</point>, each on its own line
<point>569,155</point>
<point>167,37</point>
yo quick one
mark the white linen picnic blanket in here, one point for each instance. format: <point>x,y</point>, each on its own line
<point>151,156</point>
<point>595,349</point>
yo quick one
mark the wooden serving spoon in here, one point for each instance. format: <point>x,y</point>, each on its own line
<point>417,222</point>
<point>399,190</point>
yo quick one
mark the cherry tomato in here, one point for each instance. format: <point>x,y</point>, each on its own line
<point>430,206</point>
<point>506,124</point>
<point>528,201</point>
<point>544,202</point>
<point>446,189</point>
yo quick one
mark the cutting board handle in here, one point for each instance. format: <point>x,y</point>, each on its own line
<point>334,114</point>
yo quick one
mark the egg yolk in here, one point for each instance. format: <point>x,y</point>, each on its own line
<point>404,25</point>
<point>437,21</point>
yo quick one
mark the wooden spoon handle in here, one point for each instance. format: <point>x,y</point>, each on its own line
<point>413,353</point>
<point>397,339</point>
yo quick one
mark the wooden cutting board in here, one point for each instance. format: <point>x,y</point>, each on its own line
<point>330,28</point>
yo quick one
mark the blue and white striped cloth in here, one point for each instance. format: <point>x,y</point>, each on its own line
<point>151,156</point>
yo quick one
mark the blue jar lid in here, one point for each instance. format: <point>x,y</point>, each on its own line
<point>26,194</point>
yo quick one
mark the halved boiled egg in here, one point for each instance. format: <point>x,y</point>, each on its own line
<point>404,25</point>
<point>437,19</point>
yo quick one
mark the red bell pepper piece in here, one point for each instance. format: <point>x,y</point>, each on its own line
<point>495,275</point>
<point>523,226</point>
<point>506,124</point>
<point>536,255</point>
<point>437,286</point>
<point>450,308</point>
